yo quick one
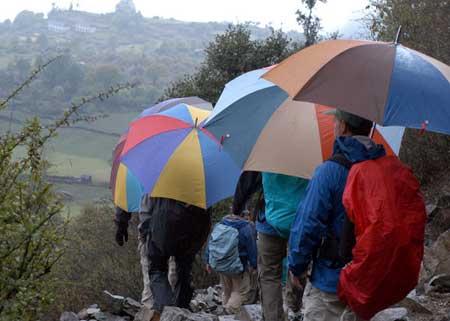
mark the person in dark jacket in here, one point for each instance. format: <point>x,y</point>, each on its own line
<point>239,289</point>
<point>276,210</point>
<point>180,230</point>
<point>122,219</point>
<point>320,217</point>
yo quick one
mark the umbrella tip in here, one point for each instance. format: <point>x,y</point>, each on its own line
<point>397,37</point>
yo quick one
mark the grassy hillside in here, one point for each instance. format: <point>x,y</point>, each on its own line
<point>76,152</point>
<point>96,51</point>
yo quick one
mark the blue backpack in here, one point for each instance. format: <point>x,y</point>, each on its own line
<point>223,250</point>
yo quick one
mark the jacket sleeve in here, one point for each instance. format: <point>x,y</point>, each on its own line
<point>250,244</point>
<point>311,220</point>
<point>249,183</point>
<point>207,253</point>
<point>122,217</point>
<point>348,240</point>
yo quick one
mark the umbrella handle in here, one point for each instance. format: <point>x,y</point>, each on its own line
<point>397,37</point>
<point>423,127</point>
<point>373,129</point>
<point>222,139</point>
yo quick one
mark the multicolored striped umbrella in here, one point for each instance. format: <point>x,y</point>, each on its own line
<point>173,156</point>
<point>384,82</point>
<point>265,130</point>
<point>132,187</point>
<point>169,103</point>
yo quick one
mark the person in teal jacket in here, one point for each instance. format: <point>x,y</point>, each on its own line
<point>281,197</point>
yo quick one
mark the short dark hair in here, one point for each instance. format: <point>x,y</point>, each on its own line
<point>355,124</point>
<point>362,130</point>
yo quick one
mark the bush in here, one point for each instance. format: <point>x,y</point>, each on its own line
<point>32,232</point>
<point>94,262</point>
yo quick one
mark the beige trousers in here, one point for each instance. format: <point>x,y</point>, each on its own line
<point>322,306</point>
<point>271,252</point>
<point>238,290</point>
<point>147,297</point>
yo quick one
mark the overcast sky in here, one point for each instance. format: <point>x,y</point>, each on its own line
<point>336,14</point>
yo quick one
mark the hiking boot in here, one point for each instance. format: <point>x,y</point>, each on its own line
<point>156,316</point>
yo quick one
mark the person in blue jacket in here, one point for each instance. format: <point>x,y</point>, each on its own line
<point>239,289</point>
<point>316,231</point>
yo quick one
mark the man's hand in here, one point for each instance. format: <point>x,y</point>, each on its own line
<point>252,270</point>
<point>298,283</point>
<point>121,232</point>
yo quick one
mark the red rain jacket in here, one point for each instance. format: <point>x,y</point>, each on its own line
<point>383,201</point>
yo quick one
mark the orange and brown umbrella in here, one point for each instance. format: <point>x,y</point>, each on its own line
<point>263,129</point>
<point>387,83</point>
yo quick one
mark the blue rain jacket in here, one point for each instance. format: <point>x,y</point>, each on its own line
<point>322,207</point>
<point>262,226</point>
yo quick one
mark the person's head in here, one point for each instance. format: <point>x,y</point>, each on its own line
<point>347,124</point>
<point>245,213</point>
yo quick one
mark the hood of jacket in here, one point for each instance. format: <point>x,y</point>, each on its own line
<point>358,148</point>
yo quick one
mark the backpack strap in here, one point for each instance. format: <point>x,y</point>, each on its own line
<point>331,248</point>
<point>341,160</point>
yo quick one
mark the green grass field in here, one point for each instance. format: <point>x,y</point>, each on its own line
<point>76,152</point>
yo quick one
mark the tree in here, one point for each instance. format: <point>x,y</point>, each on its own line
<point>32,229</point>
<point>42,41</point>
<point>28,19</point>
<point>425,25</point>
<point>105,76</point>
<point>66,73</point>
<point>228,56</point>
<point>126,7</point>
<point>309,22</point>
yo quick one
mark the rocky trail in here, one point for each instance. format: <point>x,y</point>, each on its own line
<point>430,301</point>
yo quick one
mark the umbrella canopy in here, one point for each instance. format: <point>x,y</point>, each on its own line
<point>384,82</point>
<point>265,130</point>
<point>166,104</point>
<point>130,189</point>
<point>173,156</point>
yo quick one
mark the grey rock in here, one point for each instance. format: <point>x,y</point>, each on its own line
<point>100,316</point>
<point>207,300</point>
<point>178,314</point>
<point>440,283</point>
<point>68,316</point>
<point>83,314</point>
<point>227,318</point>
<point>430,208</point>
<point>444,201</point>
<point>392,314</point>
<point>111,317</point>
<point>439,222</point>
<point>91,310</point>
<point>250,313</point>
<point>93,306</point>
<point>113,303</point>
<point>220,310</point>
<point>436,260</point>
<point>144,314</point>
<point>413,305</point>
<point>131,307</point>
